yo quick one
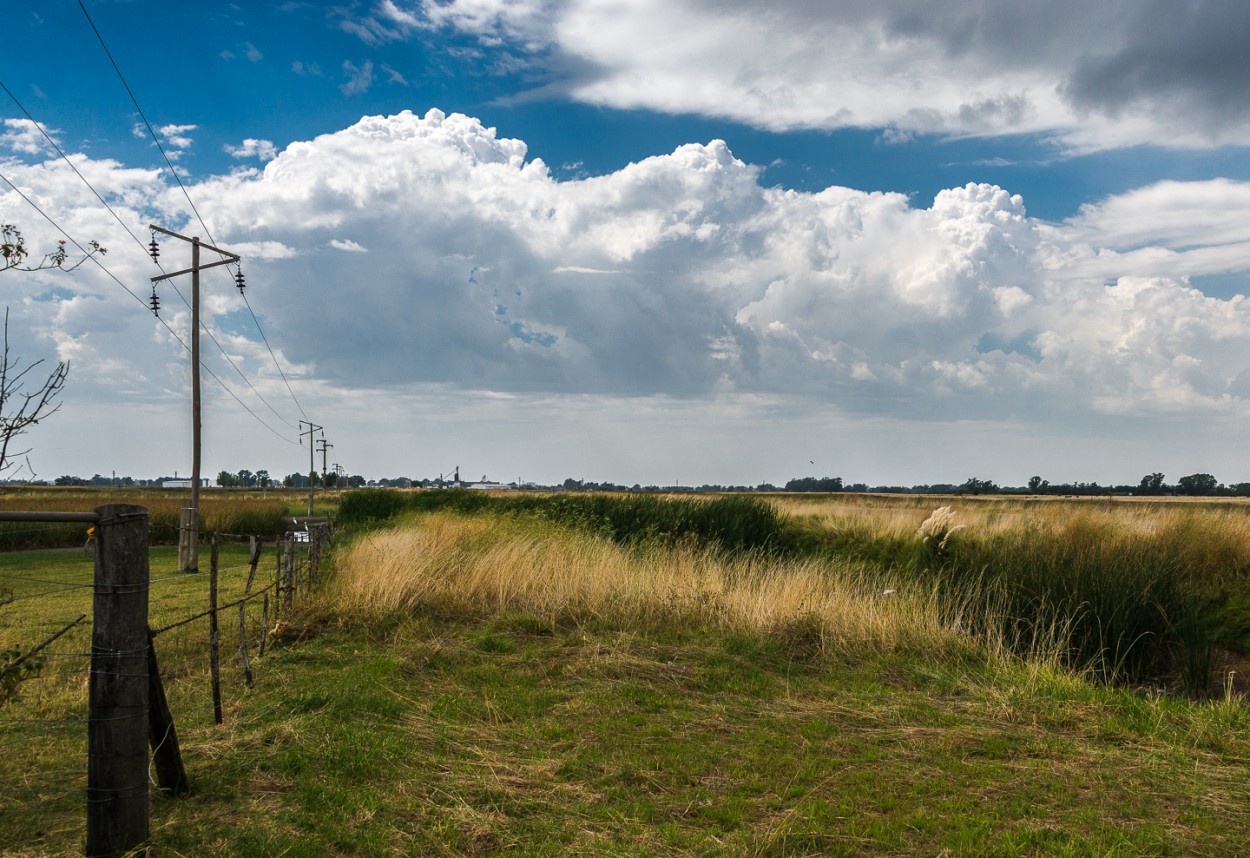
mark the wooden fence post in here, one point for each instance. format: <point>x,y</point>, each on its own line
<point>253,559</point>
<point>171,775</point>
<point>277,580</point>
<point>214,639</point>
<point>314,555</point>
<point>289,584</point>
<point>117,719</point>
<point>264,627</point>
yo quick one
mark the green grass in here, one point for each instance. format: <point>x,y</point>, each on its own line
<point>436,738</point>
<point>43,735</point>
<point>484,733</point>
<point>508,735</point>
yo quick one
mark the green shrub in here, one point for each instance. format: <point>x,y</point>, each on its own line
<point>732,523</point>
<point>365,506</point>
<point>1111,602</point>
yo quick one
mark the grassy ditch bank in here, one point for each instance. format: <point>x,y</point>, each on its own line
<point>486,685</point>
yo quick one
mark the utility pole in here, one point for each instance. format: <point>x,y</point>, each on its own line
<point>189,532</point>
<point>312,468</point>
<point>324,472</point>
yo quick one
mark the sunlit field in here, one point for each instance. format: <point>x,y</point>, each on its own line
<point>498,674</point>
<point>226,511</point>
<point>1133,591</point>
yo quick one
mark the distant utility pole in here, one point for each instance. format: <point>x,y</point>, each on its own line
<point>324,473</point>
<point>189,533</point>
<point>312,468</point>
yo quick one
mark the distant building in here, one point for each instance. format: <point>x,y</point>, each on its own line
<point>183,484</point>
<point>484,484</point>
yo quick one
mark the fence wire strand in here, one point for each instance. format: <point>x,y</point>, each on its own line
<point>60,685</point>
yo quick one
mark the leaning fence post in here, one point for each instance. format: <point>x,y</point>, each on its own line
<point>253,558</point>
<point>171,775</point>
<point>314,555</point>
<point>117,719</point>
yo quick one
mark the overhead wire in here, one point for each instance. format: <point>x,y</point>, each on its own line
<point>95,259</point>
<point>174,172</point>
<point>144,248</point>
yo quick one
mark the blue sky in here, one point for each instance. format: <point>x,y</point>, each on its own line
<point>655,242</point>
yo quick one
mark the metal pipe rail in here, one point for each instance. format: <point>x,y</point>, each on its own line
<point>89,517</point>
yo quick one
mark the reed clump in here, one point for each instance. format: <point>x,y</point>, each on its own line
<point>1126,590</point>
<point>469,565</point>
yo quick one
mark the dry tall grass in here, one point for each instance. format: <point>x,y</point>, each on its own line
<point>900,515</point>
<point>250,513</point>
<point>471,565</point>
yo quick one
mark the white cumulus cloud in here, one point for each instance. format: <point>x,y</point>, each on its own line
<point>263,150</point>
<point>24,137</point>
<point>681,278</point>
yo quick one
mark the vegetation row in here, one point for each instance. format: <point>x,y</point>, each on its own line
<point>251,516</point>
<point>1124,599</point>
<point>730,524</point>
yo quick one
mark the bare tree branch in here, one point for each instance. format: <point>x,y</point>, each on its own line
<point>13,252</point>
<point>20,410</point>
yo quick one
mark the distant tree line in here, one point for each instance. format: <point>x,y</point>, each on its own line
<point>100,480</point>
<point>1152,484</point>
<point>244,479</point>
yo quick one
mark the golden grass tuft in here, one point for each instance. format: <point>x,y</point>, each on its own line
<point>472,565</point>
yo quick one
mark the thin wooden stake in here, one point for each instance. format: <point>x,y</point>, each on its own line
<point>253,559</point>
<point>253,555</point>
<point>289,563</point>
<point>247,665</point>
<point>277,579</point>
<point>213,640</point>
<point>264,627</point>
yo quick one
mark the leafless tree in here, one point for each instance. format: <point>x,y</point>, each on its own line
<point>19,408</point>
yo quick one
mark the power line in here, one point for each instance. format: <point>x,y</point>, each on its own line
<point>143,303</point>
<point>275,358</point>
<point>73,241</point>
<point>144,117</point>
<point>185,192</point>
<point>66,159</point>
<point>137,241</point>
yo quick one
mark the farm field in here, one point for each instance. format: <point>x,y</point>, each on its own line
<point>229,511</point>
<point>586,676</point>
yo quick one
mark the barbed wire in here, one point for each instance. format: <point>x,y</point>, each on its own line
<point>219,608</point>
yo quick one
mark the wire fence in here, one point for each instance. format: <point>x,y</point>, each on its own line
<point>208,630</point>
